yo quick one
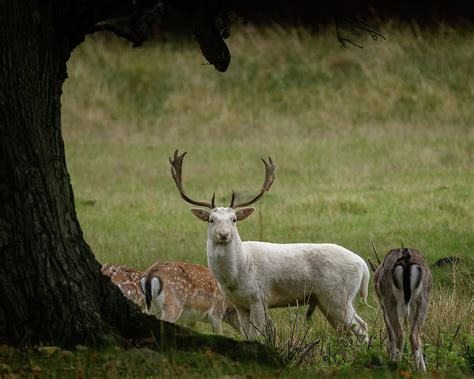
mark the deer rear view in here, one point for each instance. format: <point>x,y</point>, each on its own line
<point>186,293</point>
<point>403,283</point>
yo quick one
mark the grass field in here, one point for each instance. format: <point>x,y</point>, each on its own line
<point>370,144</point>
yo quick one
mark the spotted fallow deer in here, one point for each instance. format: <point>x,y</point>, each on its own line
<point>127,280</point>
<point>186,293</point>
<point>257,275</point>
<point>403,283</point>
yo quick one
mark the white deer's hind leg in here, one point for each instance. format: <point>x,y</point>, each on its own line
<point>363,326</point>
<point>335,317</point>
<point>352,320</point>
<point>342,316</point>
<point>355,324</point>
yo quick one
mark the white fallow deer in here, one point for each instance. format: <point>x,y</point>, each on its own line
<point>255,276</point>
<point>403,283</point>
<point>127,279</point>
<point>186,293</point>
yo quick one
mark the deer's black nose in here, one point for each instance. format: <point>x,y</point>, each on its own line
<point>223,235</point>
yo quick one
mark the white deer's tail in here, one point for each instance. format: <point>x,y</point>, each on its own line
<point>364,285</point>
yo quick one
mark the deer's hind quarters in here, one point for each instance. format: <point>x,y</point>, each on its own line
<point>188,293</point>
<point>403,276</point>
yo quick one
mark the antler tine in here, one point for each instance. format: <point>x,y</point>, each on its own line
<point>267,183</point>
<point>401,242</point>
<point>176,173</point>
<point>232,200</point>
<point>213,200</point>
<point>375,251</point>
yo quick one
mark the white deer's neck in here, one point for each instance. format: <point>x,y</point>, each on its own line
<point>227,261</point>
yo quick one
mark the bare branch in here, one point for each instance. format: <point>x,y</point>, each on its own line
<point>358,24</point>
<point>344,41</point>
<point>135,27</point>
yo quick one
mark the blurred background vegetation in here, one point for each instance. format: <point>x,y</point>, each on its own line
<point>373,143</point>
<point>370,144</point>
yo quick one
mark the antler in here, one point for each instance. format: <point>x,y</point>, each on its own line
<point>269,178</point>
<point>401,241</point>
<point>375,251</point>
<point>176,173</point>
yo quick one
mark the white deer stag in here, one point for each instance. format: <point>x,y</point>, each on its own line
<point>186,293</point>
<point>403,283</point>
<point>258,275</point>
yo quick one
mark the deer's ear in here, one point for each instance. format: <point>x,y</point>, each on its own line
<point>243,213</point>
<point>201,214</point>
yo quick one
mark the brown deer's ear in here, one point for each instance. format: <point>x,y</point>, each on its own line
<point>243,213</point>
<point>201,214</point>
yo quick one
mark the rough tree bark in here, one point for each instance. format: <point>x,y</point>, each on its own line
<point>51,289</point>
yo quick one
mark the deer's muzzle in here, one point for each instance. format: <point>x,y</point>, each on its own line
<point>222,236</point>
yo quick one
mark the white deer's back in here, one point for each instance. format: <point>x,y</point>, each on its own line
<point>292,253</point>
<point>303,268</point>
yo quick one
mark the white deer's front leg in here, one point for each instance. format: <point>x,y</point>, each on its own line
<point>244,319</point>
<point>258,318</point>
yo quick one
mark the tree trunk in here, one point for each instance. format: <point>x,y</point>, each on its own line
<point>51,288</point>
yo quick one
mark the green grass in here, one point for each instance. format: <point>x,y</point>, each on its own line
<point>374,143</point>
<point>370,144</point>
<point>82,362</point>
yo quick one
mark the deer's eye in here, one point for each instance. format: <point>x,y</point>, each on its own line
<point>211,221</point>
<point>234,220</point>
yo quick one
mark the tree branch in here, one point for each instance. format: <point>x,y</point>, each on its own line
<point>135,27</point>
<point>358,24</point>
